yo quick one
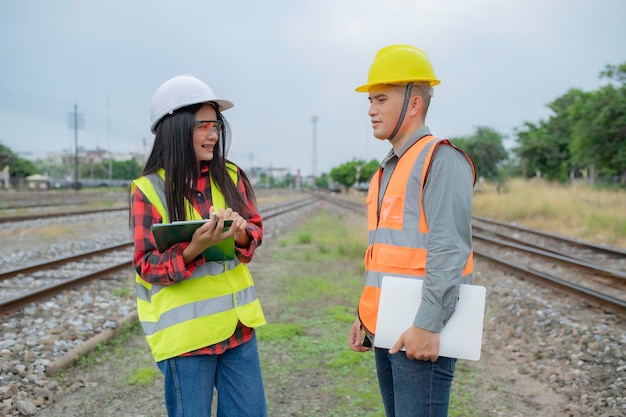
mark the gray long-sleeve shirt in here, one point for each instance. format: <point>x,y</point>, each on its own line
<point>447,203</point>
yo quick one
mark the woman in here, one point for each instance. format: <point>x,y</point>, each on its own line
<point>198,316</point>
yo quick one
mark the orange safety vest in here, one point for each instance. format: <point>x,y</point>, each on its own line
<point>398,232</point>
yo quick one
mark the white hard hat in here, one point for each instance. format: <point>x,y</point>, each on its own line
<point>180,91</point>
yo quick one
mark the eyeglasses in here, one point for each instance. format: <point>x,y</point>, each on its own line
<point>204,125</point>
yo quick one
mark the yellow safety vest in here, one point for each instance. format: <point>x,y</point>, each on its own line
<point>398,232</point>
<point>204,309</point>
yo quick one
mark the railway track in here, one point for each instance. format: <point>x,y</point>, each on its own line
<point>583,269</point>
<point>45,206</point>
<point>558,244</point>
<point>71,213</point>
<point>47,290</point>
<point>594,272</point>
<point>66,305</point>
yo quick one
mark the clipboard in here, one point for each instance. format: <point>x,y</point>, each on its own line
<point>167,234</point>
<point>461,337</point>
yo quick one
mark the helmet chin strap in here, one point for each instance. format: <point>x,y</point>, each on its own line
<point>407,96</point>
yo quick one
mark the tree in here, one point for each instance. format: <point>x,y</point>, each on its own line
<point>586,130</point>
<point>288,181</point>
<point>599,126</point>
<point>264,180</point>
<point>368,170</point>
<point>18,167</point>
<point>541,151</point>
<point>486,150</point>
<point>346,173</point>
<point>124,170</point>
<point>322,181</point>
<point>545,147</point>
<point>94,170</point>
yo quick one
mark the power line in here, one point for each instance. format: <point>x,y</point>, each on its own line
<point>52,110</point>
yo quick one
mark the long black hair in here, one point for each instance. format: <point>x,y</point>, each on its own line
<point>174,152</point>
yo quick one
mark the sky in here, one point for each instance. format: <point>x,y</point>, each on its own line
<point>281,62</point>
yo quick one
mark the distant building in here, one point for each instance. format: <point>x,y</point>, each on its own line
<point>37,182</point>
<point>4,178</point>
<point>278,174</point>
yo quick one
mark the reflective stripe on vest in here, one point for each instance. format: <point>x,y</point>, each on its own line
<point>397,228</point>
<point>203,309</point>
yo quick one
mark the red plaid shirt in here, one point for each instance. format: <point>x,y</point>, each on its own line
<point>168,267</point>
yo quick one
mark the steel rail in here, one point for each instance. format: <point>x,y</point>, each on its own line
<point>576,242</point>
<point>59,261</point>
<point>286,207</point>
<point>14,303</point>
<point>512,239</point>
<point>554,256</point>
<point>579,291</point>
<point>594,297</point>
<point>28,217</point>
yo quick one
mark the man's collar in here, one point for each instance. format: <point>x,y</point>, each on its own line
<point>420,133</point>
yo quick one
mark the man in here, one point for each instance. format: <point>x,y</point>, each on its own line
<point>419,213</point>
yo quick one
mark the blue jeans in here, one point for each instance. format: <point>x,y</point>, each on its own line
<point>236,374</point>
<point>412,388</point>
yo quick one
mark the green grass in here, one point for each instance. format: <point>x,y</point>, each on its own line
<point>575,210</point>
<point>305,345</point>
<point>462,398</point>
<point>142,377</point>
<point>279,332</point>
<point>309,289</point>
<point>305,340</point>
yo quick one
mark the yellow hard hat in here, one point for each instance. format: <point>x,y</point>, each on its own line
<point>397,64</point>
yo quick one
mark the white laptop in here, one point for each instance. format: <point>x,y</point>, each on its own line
<point>461,337</point>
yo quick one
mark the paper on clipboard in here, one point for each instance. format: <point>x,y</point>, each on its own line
<point>167,234</point>
<point>461,337</point>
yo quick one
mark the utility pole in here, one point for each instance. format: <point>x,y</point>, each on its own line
<point>314,120</point>
<point>109,140</point>
<point>76,121</point>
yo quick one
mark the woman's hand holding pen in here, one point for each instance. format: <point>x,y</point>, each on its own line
<point>238,227</point>
<point>212,232</point>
